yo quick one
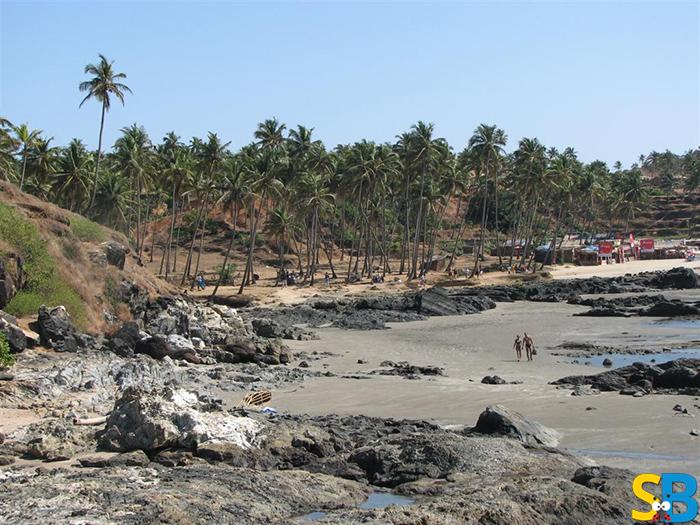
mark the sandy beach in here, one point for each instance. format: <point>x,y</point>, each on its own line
<point>636,433</point>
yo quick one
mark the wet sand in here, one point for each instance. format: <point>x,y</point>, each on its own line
<point>643,434</point>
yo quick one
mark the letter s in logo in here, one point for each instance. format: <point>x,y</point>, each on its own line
<point>646,497</point>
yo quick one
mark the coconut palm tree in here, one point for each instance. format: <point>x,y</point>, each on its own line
<point>133,156</point>
<point>26,140</point>
<point>8,146</point>
<point>74,168</point>
<point>233,186</point>
<point>112,199</point>
<point>264,165</point>
<point>43,166</point>
<point>487,145</point>
<point>104,84</point>
<point>530,163</point>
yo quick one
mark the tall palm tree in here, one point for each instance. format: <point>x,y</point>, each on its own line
<point>8,146</point>
<point>74,170</point>
<point>487,144</point>
<point>43,166</point>
<point>104,84</point>
<point>263,167</point>
<point>26,139</point>
<point>133,157</point>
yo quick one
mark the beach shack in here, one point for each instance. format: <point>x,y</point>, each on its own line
<point>646,249</point>
<point>605,252</point>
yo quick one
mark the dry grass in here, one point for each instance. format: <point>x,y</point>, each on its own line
<point>68,252</point>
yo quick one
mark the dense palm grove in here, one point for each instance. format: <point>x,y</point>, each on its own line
<point>380,207</point>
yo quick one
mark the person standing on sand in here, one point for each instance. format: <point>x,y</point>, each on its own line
<point>529,346</point>
<point>518,345</point>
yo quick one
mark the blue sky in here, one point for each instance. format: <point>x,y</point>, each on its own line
<point>612,79</point>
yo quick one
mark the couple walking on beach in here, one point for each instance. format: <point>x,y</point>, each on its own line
<point>527,343</point>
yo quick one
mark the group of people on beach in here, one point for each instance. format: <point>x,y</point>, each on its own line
<point>524,343</point>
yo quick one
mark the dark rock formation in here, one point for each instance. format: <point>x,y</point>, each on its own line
<point>493,380</point>
<point>407,370</point>
<point>14,335</point>
<point>115,253</point>
<point>500,420</point>
<point>56,329</point>
<point>681,376</point>
<point>123,341</point>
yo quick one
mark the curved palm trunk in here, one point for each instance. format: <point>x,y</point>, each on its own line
<point>480,251</point>
<point>170,234</point>
<point>97,160</point>
<point>249,264</point>
<point>201,243</point>
<point>414,261</point>
<point>186,273</point>
<point>24,168</point>
<point>228,254</point>
<point>495,196</point>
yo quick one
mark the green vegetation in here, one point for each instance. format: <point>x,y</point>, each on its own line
<point>44,284</point>
<point>111,293</point>
<point>6,358</point>
<point>86,230</point>
<point>226,273</point>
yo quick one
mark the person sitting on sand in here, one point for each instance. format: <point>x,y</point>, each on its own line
<point>518,345</point>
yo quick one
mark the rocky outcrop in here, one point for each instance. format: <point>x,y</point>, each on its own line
<point>56,329</point>
<point>115,253</point>
<point>13,334</point>
<point>407,370</point>
<point>681,376</point>
<point>647,305</point>
<point>51,439</point>
<point>502,421</point>
<point>171,418</point>
<point>7,285</point>
<point>271,329</point>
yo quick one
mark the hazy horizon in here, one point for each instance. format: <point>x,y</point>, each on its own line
<point>611,79</point>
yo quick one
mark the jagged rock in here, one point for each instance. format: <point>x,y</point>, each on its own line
<point>232,301</point>
<point>497,419</point>
<point>210,323</point>
<point>170,418</point>
<point>136,458</point>
<point>407,370</point>
<point>271,329</point>
<point>51,439</point>
<point>115,253</point>
<point>436,301</point>
<point>7,285</point>
<point>679,278</point>
<point>608,480</point>
<point>56,329</point>
<point>123,341</point>
<point>607,362</point>
<point>493,380</point>
<point>678,376</point>
<point>671,309</point>
<point>15,336</point>
<point>158,348</point>
<point>6,460</point>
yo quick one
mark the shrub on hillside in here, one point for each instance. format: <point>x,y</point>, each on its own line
<point>86,230</point>
<point>43,282</point>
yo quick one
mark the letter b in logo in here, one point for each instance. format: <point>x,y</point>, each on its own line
<point>685,497</point>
